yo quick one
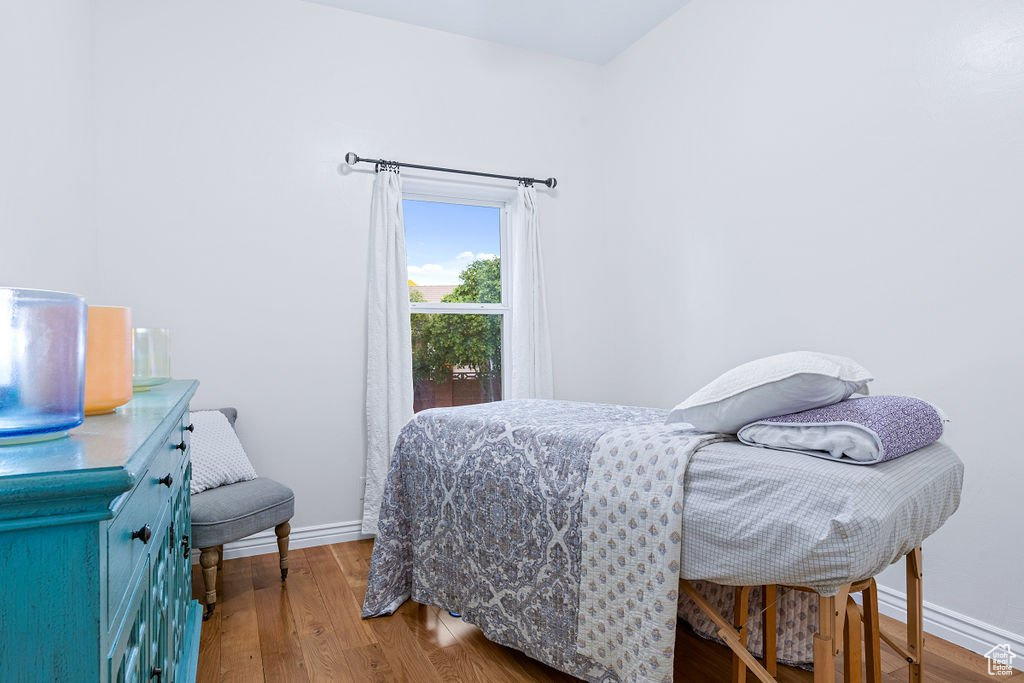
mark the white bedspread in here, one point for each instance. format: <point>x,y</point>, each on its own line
<point>756,516</point>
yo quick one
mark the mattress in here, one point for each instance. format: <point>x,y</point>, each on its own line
<point>756,516</point>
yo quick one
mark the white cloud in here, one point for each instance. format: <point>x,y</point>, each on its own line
<point>435,274</point>
<point>470,256</point>
<point>426,268</point>
<point>446,273</point>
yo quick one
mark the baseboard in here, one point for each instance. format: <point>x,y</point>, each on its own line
<point>300,537</point>
<point>960,629</point>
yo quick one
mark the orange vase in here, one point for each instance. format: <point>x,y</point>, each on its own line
<point>108,359</point>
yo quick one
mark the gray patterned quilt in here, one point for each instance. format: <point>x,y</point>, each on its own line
<point>554,526</point>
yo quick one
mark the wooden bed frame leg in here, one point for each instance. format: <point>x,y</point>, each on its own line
<point>825,641</point>
<point>769,627</point>
<point>915,607</point>
<point>727,632</point>
<point>852,643</point>
<point>872,651</point>
<point>740,613</point>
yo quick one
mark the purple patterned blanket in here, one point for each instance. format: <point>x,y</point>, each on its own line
<point>554,526</point>
<point>862,431</point>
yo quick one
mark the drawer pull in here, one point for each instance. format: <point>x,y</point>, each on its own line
<point>185,547</point>
<point>191,427</point>
<point>182,446</point>
<point>143,534</point>
<point>166,480</point>
<point>157,673</point>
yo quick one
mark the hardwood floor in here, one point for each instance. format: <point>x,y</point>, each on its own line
<point>309,630</point>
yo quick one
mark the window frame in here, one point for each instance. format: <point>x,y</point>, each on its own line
<point>471,195</point>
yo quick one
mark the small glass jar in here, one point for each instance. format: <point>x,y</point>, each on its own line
<point>42,364</point>
<point>152,354</point>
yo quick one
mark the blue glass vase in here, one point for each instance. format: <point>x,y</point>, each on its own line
<point>42,364</point>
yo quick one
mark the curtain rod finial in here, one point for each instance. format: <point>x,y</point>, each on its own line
<point>351,158</point>
<point>551,183</point>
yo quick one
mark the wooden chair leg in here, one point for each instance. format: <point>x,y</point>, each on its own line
<point>851,643</point>
<point>872,635</point>
<point>825,641</point>
<point>769,627</point>
<point>220,558</point>
<point>283,530</point>
<point>741,611</point>
<point>208,560</point>
<point>915,616</point>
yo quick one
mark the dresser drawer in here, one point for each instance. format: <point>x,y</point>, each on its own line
<point>129,536</point>
<point>168,465</point>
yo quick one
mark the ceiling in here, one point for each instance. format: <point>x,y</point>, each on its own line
<point>589,30</point>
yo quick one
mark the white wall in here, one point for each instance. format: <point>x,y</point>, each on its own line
<point>843,177</point>
<point>46,144</point>
<point>223,215</point>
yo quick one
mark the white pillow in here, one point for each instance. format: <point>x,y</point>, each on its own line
<point>218,458</point>
<point>776,385</point>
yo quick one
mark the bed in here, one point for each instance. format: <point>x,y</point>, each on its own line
<point>563,529</point>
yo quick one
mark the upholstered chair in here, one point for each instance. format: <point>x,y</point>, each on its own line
<point>232,512</point>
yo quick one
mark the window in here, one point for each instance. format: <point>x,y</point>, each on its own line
<point>457,299</point>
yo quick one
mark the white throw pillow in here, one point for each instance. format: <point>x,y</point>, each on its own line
<point>218,458</point>
<point>776,385</point>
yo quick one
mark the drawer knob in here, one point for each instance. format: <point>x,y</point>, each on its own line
<point>191,428</point>
<point>166,480</point>
<point>185,547</point>
<point>182,446</point>
<point>157,673</point>
<point>143,534</point>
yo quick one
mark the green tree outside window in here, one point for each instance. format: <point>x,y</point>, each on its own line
<point>442,342</point>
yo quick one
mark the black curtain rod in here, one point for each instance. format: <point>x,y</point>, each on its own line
<point>352,159</point>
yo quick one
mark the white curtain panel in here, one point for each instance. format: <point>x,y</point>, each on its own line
<point>389,393</point>
<point>529,349</point>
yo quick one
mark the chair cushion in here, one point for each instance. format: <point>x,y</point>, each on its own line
<point>228,513</point>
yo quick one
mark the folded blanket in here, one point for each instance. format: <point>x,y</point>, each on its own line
<point>860,431</point>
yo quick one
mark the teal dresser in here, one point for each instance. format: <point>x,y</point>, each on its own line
<point>95,570</point>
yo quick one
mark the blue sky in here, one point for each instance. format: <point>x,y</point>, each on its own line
<point>441,239</point>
